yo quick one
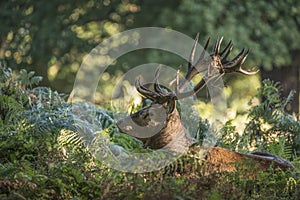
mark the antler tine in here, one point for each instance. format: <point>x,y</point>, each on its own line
<point>227,48</point>
<point>193,70</point>
<point>227,51</point>
<point>241,70</point>
<point>157,87</point>
<point>177,83</point>
<point>217,46</point>
<point>192,55</point>
<point>235,65</point>
<point>243,58</point>
<point>235,60</point>
<point>204,50</point>
<point>224,59</point>
<point>145,91</point>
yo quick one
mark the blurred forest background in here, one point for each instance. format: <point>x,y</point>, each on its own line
<point>43,155</point>
<point>52,37</point>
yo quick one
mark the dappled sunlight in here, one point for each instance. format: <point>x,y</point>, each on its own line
<point>68,76</point>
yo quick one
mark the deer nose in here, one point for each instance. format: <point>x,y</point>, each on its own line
<point>120,125</point>
<point>125,126</point>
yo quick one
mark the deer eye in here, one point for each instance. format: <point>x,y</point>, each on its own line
<point>144,115</point>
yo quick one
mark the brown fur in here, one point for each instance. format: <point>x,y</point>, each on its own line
<point>219,159</point>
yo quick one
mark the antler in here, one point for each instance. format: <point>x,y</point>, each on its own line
<point>233,65</point>
<point>158,95</point>
<point>217,64</point>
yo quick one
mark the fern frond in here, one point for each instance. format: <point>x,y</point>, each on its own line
<point>70,140</point>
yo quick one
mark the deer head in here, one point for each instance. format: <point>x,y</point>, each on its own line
<point>160,122</point>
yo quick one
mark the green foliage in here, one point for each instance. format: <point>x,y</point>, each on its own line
<point>230,137</point>
<point>269,128</point>
<point>269,32</point>
<point>268,121</point>
<point>43,155</point>
<point>31,156</point>
<point>128,142</point>
<point>70,29</point>
<point>28,79</point>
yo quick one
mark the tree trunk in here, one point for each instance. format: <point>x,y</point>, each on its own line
<point>288,76</point>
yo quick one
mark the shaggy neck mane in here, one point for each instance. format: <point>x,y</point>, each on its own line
<point>173,136</point>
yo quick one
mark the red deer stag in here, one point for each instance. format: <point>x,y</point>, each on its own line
<point>173,135</point>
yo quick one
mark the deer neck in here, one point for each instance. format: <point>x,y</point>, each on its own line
<point>173,136</point>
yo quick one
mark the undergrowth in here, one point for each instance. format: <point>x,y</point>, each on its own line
<point>44,156</point>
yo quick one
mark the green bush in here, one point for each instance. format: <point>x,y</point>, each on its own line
<point>43,155</point>
<point>269,128</point>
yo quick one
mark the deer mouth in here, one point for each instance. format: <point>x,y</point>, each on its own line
<point>122,127</point>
